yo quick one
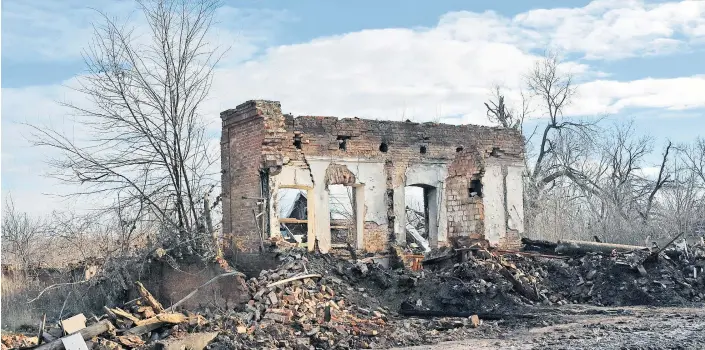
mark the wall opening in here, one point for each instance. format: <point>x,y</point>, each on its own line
<point>297,142</point>
<point>343,142</point>
<point>475,189</point>
<point>421,213</point>
<point>293,214</point>
<point>383,147</point>
<point>459,149</point>
<point>343,216</point>
<point>422,150</point>
<point>263,204</point>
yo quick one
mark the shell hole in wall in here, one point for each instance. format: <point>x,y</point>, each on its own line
<point>343,142</point>
<point>422,150</point>
<point>383,147</point>
<point>459,149</point>
<point>475,189</point>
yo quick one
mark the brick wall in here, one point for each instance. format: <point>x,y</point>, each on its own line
<point>319,136</point>
<point>376,237</point>
<point>241,147</point>
<point>465,213</point>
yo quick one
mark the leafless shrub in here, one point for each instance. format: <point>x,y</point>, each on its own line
<point>23,237</point>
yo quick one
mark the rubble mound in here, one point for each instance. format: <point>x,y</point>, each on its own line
<point>594,279</point>
<point>318,301</point>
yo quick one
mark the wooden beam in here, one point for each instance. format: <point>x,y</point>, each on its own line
<point>147,296</point>
<point>296,187</point>
<point>87,333</point>
<point>292,221</point>
<point>570,247</point>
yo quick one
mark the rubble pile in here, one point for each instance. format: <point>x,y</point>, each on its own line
<point>319,301</point>
<point>291,307</point>
<point>617,279</point>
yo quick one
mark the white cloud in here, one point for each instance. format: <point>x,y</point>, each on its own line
<point>619,28</point>
<point>440,73</point>
<point>650,172</point>
<point>608,96</point>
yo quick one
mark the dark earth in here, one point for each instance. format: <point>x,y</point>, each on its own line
<point>566,328</point>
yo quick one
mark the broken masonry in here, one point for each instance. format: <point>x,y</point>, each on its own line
<point>340,183</point>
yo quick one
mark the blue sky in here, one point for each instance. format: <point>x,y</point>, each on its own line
<point>411,59</point>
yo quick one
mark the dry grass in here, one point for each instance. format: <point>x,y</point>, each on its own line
<point>60,302</point>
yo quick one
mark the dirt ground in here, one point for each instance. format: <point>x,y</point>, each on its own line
<point>590,327</point>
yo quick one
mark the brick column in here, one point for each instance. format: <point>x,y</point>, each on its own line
<point>241,160</point>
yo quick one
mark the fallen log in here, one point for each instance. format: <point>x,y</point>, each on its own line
<point>87,333</point>
<point>570,247</point>
<point>535,255</point>
<point>539,243</point>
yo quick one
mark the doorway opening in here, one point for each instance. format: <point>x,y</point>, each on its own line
<point>421,213</point>
<point>343,216</point>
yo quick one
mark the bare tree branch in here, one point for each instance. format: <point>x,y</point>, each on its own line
<point>144,140</point>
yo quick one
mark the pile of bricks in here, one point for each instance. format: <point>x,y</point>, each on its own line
<point>315,313</point>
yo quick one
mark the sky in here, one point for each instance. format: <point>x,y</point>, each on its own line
<point>395,59</point>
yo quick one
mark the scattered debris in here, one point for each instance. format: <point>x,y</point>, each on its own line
<point>322,301</point>
<point>74,324</point>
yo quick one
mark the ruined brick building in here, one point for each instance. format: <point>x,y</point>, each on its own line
<point>470,176</point>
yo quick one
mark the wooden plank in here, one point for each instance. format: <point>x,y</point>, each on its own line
<point>155,322</point>
<point>147,296</point>
<point>292,221</point>
<point>124,314</point>
<point>296,187</point>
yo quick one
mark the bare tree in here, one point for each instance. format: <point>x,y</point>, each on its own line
<point>564,144</point>
<point>583,182</point>
<point>694,156</point>
<point>554,91</point>
<point>681,204</point>
<point>624,188</point>
<point>145,145</point>
<point>499,112</point>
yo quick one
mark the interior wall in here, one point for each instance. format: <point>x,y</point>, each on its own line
<point>515,198</point>
<point>493,200</point>
<point>503,201</point>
